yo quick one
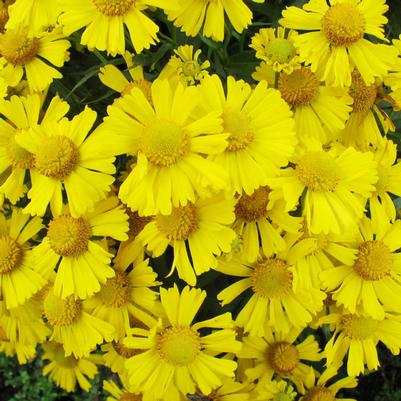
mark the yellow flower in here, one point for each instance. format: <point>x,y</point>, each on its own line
<point>337,42</point>
<point>13,348</point>
<point>105,20</point>
<point>177,359</point>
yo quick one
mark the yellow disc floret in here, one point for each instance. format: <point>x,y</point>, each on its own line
<point>374,260</point>
<point>178,346</point>
<point>358,327</point>
<point>283,357</point>
<point>164,143</point>
<point>237,124</point>
<point>318,171</point>
<point>253,207</point>
<point>61,312</point>
<point>271,278</point>
<point>280,50</point>
<point>343,24</point>
<point>11,254</point>
<point>113,7</point>
<point>17,48</point>
<point>364,95</point>
<point>69,236</point>
<point>116,291</point>
<point>57,157</point>
<point>319,393</point>
<point>180,224</point>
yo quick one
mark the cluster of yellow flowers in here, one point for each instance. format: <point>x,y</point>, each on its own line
<point>284,188</point>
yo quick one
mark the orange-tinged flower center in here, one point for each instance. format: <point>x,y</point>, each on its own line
<point>237,124</point>
<point>57,157</point>
<point>180,224</point>
<point>20,157</point>
<point>11,254</point>
<point>178,346</point>
<point>318,171</point>
<point>319,393</point>
<point>113,8</point>
<point>61,312</point>
<point>343,24</point>
<point>358,327</point>
<point>164,143</point>
<point>364,95</point>
<point>17,48</point>
<point>300,88</point>
<point>69,236</point>
<point>280,50</point>
<point>271,278</point>
<point>283,357</point>
<point>374,260</point>
<point>116,291</point>
<point>253,207</point>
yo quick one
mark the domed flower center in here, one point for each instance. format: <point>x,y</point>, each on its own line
<point>143,85</point>
<point>17,48</point>
<point>61,312</point>
<point>283,357</point>
<point>237,124</point>
<point>20,158</point>
<point>69,236</point>
<point>318,171</point>
<point>374,260</point>
<point>343,24</point>
<point>271,279</point>
<point>123,351</point>
<point>180,224</point>
<point>116,291</point>
<point>164,143</point>
<point>364,96</point>
<point>319,393</point>
<point>136,223</point>
<point>280,50</point>
<point>358,327</point>
<point>253,207</point>
<point>113,8</point>
<point>11,254</point>
<point>130,397</point>
<point>65,361</point>
<point>299,88</point>
<point>57,157</point>
<point>178,346</point>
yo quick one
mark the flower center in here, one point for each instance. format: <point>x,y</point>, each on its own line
<point>179,346</point>
<point>116,291</point>
<point>136,223</point>
<point>283,357</point>
<point>299,88</point>
<point>253,207</point>
<point>69,236</point>
<point>180,224</point>
<point>65,361</point>
<point>364,96</point>
<point>113,8</point>
<point>318,171</point>
<point>164,143</point>
<point>343,24</point>
<point>319,393</point>
<point>190,68</point>
<point>123,351</point>
<point>280,50</point>
<point>236,123</point>
<point>57,157</point>
<point>17,48</point>
<point>130,397</point>
<point>61,312</point>
<point>11,254</point>
<point>271,278</point>
<point>358,327</point>
<point>374,260</point>
<point>20,158</point>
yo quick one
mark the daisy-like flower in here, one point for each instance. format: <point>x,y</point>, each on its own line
<point>185,66</point>
<point>273,300</point>
<point>20,114</point>
<point>319,111</point>
<point>20,54</point>
<point>68,371</point>
<point>335,185</point>
<point>260,128</point>
<point>104,22</point>
<point>176,359</point>
<point>277,354</point>
<point>82,264</point>
<point>193,15</point>
<point>337,44</point>
<point>372,282</point>
<point>169,143</point>
<point>357,336</point>
<point>65,157</point>
<point>73,326</point>
<point>198,232</point>
<point>19,277</point>
<point>275,390</point>
<point>276,48</point>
